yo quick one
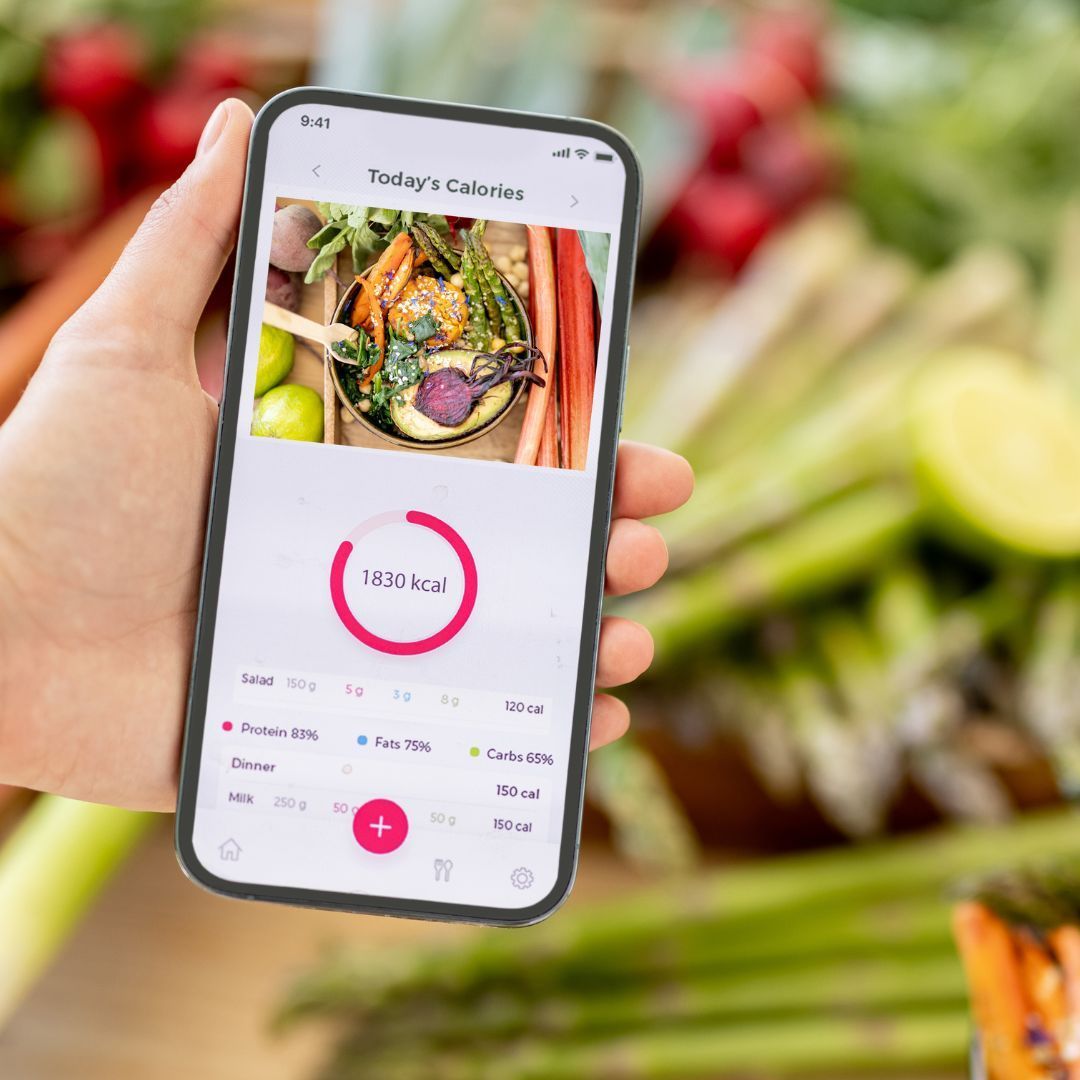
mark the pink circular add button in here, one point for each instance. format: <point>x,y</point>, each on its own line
<point>380,826</point>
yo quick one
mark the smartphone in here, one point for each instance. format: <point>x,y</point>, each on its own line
<point>396,645</point>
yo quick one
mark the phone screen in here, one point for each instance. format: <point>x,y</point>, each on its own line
<point>396,645</point>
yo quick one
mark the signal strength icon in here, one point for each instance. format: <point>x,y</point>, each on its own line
<point>581,154</point>
<point>564,152</point>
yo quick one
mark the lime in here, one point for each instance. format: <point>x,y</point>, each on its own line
<point>276,351</point>
<point>997,449</point>
<point>289,412</point>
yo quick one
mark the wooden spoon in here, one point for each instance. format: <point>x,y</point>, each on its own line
<point>287,320</point>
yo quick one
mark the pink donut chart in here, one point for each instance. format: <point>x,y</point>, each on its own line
<point>376,641</point>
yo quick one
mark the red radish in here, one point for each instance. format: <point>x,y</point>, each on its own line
<point>96,69</point>
<point>210,63</point>
<point>170,128</point>
<point>722,217</point>
<point>790,162</point>
<point>793,40</point>
<point>711,95</point>
<point>577,348</point>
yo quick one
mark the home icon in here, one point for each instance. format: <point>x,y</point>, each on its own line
<point>230,851</point>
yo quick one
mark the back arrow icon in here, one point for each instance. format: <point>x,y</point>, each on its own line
<point>573,200</point>
<point>315,169</point>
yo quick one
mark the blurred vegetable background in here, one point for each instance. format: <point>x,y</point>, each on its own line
<point>859,316</point>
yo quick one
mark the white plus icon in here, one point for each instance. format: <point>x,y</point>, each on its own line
<point>380,826</point>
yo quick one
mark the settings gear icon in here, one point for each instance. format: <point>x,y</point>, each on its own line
<point>522,878</point>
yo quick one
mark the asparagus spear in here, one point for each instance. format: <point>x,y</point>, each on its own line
<point>423,241</point>
<point>1059,329</point>
<point>816,1046</point>
<point>649,825</point>
<point>851,429</point>
<point>440,246</point>
<point>506,309</point>
<point>1050,680</point>
<point>838,542</point>
<point>745,703</point>
<point>475,245</point>
<point>779,382</point>
<point>857,669</point>
<point>828,742</point>
<point>770,899</point>
<point>479,331</point>
<point>782,280</point>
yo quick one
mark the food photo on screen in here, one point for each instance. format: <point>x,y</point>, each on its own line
<point>440,333</point>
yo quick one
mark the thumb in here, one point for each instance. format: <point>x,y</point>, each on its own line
<point>165,275</point>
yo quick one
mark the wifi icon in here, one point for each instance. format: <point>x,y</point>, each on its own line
<point>581,154</point>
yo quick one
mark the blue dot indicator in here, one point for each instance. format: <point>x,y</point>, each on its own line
<point>361,740</point>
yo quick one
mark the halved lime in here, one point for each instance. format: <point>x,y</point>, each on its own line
<point>277,349</point>
<point>289,412</point>
<point>997,449</point>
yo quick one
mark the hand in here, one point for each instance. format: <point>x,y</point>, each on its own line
<point>105,469</point>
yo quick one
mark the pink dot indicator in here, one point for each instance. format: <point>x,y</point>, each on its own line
<point>227,726</point>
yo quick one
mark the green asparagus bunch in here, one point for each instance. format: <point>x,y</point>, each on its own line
<point>833,963</point>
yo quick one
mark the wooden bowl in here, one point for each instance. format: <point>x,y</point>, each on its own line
<point>345,304</point>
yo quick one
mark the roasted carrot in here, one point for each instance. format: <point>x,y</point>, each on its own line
<point>1065,941</point>
<point>548,455</point>
<point>384,271</point>
<point>1044,990</point>
<point>992,966</point>
<point>577,348</point>
<point>545,328</point>
<point>25,331</point>
<point>378,330</point>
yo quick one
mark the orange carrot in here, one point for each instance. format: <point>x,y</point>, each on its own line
<point>577,347</point>
<point>1044,989</point>
<point>543,303</point>
<point>992,966</point>
<point>383,272</point>
<point>25,331</point>
<point>378,330</point>
<point>1065,941</point>
<point>398,282</point>
<point>548,455</point>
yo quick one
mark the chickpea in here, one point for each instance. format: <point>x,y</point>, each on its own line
<point>365,405</point>
<point>346,416</point>
<point>520,271</point>
<point>458,280</point>
<point>517,253</point>
<point>503,264</point>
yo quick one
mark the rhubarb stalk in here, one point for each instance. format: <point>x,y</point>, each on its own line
<point>577,346</point>
<point>542,295</point>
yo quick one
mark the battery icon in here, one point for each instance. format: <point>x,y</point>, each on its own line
<point>604,157</point>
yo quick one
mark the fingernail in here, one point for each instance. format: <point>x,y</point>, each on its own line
<point>214,127</point>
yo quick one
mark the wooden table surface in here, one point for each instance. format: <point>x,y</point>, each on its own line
<point>165,982</point>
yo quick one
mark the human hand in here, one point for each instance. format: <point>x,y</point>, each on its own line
<point>105,469</point>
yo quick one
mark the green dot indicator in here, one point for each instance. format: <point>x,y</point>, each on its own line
<point>474,751</point>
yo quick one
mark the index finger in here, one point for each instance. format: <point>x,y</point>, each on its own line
<point>649,480</point>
